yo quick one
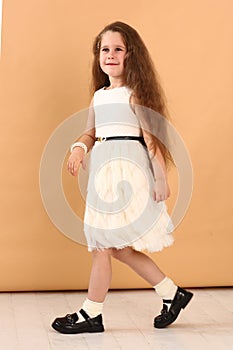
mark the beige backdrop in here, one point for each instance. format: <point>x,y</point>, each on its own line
<point>45,76</point>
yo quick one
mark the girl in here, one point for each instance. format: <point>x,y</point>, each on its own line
<point>125,210</point>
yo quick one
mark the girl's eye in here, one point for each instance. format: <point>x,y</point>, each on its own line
<point>106,49</point>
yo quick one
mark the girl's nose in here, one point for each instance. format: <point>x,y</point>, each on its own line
<point>110,55</point>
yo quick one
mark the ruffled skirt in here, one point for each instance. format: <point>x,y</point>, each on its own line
<point>120,209</point>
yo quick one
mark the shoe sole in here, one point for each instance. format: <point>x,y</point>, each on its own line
<point>99,329</point>
<point>183,306</point>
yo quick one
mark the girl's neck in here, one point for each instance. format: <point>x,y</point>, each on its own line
<point>115,83</point>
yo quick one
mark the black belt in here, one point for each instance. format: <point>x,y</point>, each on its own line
<point>135,138</point>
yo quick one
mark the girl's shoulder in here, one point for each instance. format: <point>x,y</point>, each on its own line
<point>99,90</point>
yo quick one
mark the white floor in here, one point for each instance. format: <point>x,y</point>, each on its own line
<point>206,323</point>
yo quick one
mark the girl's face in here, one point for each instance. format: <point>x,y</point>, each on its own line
<point>112,54</point>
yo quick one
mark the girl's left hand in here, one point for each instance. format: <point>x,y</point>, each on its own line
<point>161,189</point>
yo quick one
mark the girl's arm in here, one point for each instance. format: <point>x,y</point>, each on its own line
<point>161,187</point>
<point>88,138</point>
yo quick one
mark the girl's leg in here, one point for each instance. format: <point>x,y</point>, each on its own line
<point>145,267</point>
<point>89,318</point>
<point>100,278</point>
<point>142,264</point>
<point>101,274</point>
<point>174,298</point>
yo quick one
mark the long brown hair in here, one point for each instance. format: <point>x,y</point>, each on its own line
<point>139,74</point>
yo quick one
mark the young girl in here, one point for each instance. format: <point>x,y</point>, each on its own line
<point>125,209</point>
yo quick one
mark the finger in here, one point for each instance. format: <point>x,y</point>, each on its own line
<point>75,169</point>
<point>154,195</point>
<point>84,164</point>
<point>167,195</point>
<point>159,197</point>
<point>71,168</point>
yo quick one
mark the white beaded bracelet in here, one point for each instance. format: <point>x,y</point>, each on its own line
<point>79,144</point>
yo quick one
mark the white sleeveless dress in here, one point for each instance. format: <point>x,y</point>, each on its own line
<point>120,210</point>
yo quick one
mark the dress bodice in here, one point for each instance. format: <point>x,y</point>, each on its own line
<point>113,113</point>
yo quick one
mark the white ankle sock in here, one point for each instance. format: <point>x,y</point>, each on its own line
<point>92,308</point>
<point>166,289</point>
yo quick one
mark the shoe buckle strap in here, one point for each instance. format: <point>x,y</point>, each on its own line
<point>84,314</point>
<point>167,301</point>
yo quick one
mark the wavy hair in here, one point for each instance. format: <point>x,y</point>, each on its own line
<point>139,74</point>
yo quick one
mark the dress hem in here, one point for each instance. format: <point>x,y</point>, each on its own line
<point>139,247</point>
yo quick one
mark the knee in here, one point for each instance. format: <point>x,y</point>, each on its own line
<point>101,254</point>
<point>122,254</point>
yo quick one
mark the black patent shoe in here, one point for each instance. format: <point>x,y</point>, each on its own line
<point>169,315</point>
<point>69,325</point>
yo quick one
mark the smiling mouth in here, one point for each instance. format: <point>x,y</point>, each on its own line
<point>111,64</point>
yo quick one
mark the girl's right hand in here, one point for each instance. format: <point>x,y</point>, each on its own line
<point>77,156</point>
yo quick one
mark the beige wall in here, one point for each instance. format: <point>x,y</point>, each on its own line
<point>44,78</point>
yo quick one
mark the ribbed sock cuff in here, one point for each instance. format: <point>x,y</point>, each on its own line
<point>92,308</point>
<point>166,289</point>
